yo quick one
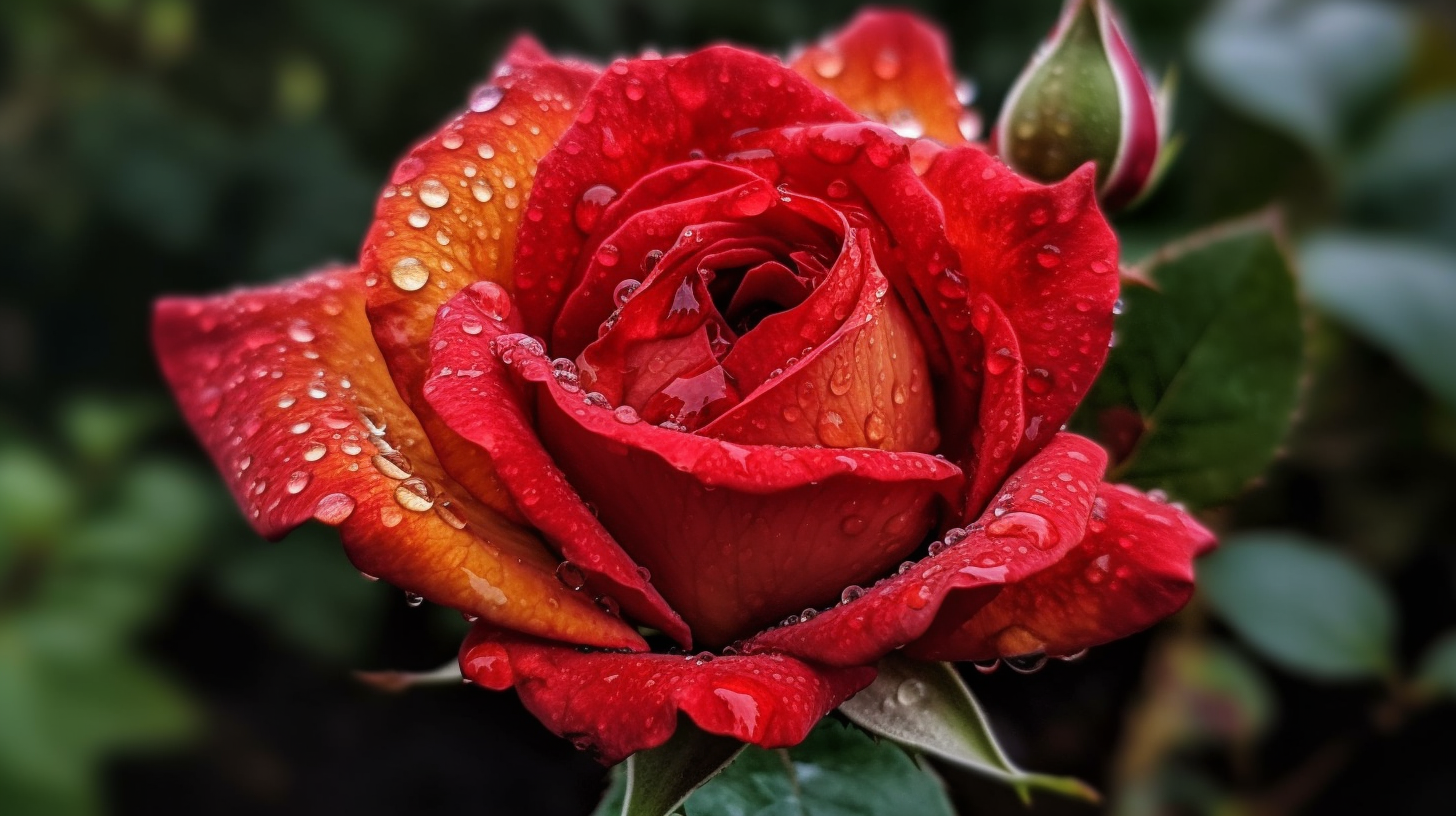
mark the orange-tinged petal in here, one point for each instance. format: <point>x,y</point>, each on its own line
<point>449,219</point>
<point>287,390</point>
<point>893,67</point>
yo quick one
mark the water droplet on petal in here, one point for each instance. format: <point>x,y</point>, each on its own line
<point>335,508</point>
<point>485,98</point>
<point>409,274</point>
<point>434,194</point>
<point>297,482</point>
<point>570,575</point>
<point>412,600</point>
<point>414,494</point>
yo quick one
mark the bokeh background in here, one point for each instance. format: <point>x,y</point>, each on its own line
<point>156,657</point>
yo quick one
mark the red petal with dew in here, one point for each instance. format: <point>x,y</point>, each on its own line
<point>1133,568</point>
<point>470,389</point>
<point>641,116</point>
<point>1047,257</point>
<point>1040,516</point>
<point>288,392</point>
<point>735,536</point>
<point>449,218</point>
<point>616,704</point>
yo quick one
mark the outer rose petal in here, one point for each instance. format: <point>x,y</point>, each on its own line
<point>893,67</point>
<point>735,536</point>
<point>468,377</point>
<point>449,218</point>
<point>1040,517</point>
<point>1047,256</point>
<point>643,115</point>
<point>285,387</point>
<point>618,704</point>
<point>1134,568</point>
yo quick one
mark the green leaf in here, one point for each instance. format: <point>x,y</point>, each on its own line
<point>838,771</point>
<point>1403,181</point>
<point>1209,360</point>
<point>1302,605</point>
<point>1437,673</point>
<point>1397,294</point>
<point>927,707</point>
<point>657,781</point>
<point>1289,64</point>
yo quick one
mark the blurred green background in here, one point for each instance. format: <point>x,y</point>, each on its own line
<point>156,656</point>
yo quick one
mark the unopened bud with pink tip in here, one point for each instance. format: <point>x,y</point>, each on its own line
<point>1085,98</point>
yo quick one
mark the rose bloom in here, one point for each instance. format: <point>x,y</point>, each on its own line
<point>700,383</point>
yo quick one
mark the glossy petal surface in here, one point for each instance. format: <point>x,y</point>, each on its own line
<point>1133,568</point>
<point>616,704</point>
<point>643,115</point>
<point>735,536</point>
<point>449,218</point>
<point>1040,516</point>
<point>288,392</point>
<point>1047,257</point>
<point>470,388</point>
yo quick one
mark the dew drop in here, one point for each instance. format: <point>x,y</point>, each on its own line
<point>911,692</point>
<point>335,508</point>
<point>485,99</point>
<point>851,593</point>
<point>624,291</point>
<point>434,194</point>
<point>589,208</point>
<point>297,482</point>
<point>570,575</point>
<point>414,494</point>
<point>607,255</point>
<point>314,452</point>
<point>1026,663</point>
<point>393,465</point>
<point>409,274</point>
<point>419,219</point>
<point>412,600</point>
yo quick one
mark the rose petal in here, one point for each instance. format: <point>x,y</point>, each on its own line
<point>700,513</point>
<point>1040,517</point>
<point>1002,413</point>
<point>893,67</point>
<point>643,115</point>
<point>285,387</point>
<point>617,704</point>
<point>648,217</point>
<point>871,174</point>
<point>865,386</point>
<point>1133,568</point>
<point>449,218</point>
<point>470,389</point>
<point>1047,256</point>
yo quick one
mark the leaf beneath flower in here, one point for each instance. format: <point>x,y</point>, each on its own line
<point>926,706</point>
<point>657,781</point>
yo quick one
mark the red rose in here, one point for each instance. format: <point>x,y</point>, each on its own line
<point>691,344</point>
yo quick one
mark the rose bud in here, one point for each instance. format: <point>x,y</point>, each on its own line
<point>1084,98</point>
<point>703,346</point>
